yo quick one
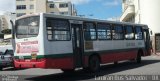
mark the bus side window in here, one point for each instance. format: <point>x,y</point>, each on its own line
<point>90,31</point>
<point>49,30</point>
<point>138,33</point>
<point>58,30</point>
<point>117,32</point>
<point>129,32</point>
<point>103,31</point>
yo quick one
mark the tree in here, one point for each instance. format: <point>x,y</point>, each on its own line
<point>6,31</point>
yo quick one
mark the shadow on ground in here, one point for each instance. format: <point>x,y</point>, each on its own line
<point>12,69</point>
<point>83,75</point>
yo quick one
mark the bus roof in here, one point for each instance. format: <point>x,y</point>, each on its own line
<point>90,19</point>
<point>28,15</point>
<point>79,18</point>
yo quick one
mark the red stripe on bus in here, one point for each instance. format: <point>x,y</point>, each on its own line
<point>113,57</point>
<point>68,62</point>
<point>58,63</point>
<point>106,58</point>
<point>30,64</point>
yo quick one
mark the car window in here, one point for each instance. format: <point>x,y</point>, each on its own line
<point>8,52</point>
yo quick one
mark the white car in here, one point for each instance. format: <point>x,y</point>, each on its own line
<point>6,59</point>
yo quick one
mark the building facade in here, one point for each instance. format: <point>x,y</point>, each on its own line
<point>44,6</point>
<point>144,12</point>
<point>4,23</point>
<point>5,20</point>
<point>5,39</point>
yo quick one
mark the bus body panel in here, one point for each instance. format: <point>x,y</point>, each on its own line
<point>116,44</point>
<point>59,54</point>
<point>116,50</point>
<point>23,59</point>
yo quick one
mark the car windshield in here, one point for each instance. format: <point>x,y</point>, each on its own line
<point>8,52</point>
<point>27,27</point>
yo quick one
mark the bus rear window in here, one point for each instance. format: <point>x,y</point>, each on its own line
<point>27,27</point>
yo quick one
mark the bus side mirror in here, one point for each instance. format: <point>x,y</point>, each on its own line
<point>11,23</point>
<point>13,34</point>
<point>13,28</point>
<point>151,32</point>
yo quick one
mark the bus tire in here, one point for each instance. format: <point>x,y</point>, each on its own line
<point>138,58</point>
<point>94,63</point>
<point>116,62</point>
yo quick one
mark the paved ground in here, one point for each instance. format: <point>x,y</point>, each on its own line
<point>149,66</point>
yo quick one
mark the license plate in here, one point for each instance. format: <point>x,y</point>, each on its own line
<point>27,60</point>
<point>27,65</point>
<point>33,55</point>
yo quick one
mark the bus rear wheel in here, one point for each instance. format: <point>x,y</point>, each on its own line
<point>94,63</point>
<point>138,58</point>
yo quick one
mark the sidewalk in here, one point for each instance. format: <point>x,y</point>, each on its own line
<point>157,54</point>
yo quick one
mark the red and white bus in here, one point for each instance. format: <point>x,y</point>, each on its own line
<point>65,42</point>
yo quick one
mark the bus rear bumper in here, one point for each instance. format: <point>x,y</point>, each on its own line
<point>29,64</point>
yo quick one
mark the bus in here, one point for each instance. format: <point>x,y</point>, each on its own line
<point>46,40</point>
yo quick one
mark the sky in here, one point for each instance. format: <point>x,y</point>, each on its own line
<point>101,9</point>
<point>7,5</point>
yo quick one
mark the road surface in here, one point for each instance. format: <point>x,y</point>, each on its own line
<point>149,66</point>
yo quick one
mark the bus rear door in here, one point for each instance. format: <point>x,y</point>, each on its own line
<point>147,41</point>
<point>77,39</point>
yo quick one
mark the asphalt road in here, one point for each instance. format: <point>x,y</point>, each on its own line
<point>149,66</point>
